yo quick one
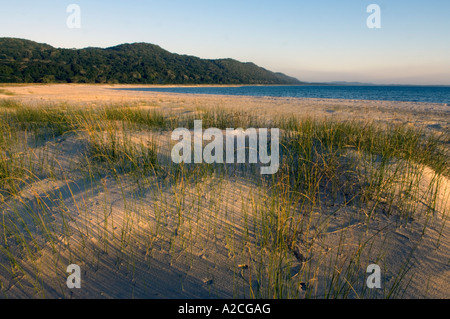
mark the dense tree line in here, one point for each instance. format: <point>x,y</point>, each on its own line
<point>24,61</point>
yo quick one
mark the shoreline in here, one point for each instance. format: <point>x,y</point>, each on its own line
<point>433,116</point>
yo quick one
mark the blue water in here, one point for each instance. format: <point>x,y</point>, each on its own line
<point>430,94</point>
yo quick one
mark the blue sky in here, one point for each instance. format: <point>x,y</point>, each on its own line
<point>317,40</point>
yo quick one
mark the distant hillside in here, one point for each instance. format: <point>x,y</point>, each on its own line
<point>31,62</point>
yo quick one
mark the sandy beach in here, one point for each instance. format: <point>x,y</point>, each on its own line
<point>210,239</point>
<point>433,116</point>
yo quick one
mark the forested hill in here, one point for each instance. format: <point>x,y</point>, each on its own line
<point>32,62</point>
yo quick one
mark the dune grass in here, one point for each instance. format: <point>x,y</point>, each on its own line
<point>6,92</point>
<point>273,240</point>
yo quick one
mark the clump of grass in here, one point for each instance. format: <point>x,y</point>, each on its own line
<point>317,154</point>
<point>149,118</point>
<point>12,173</point>
<point>120,154</point>
<point>223,119</point>
<point>393,141</point>
<point>9,104</point>
<point>45,122</point>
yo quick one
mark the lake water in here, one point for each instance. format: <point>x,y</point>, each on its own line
<point>430,94</point>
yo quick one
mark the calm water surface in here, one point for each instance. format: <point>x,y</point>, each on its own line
<point>430,94</point>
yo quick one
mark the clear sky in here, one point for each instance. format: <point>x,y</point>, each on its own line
<point>316,40</point>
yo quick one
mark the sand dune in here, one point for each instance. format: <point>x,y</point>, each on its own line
<point>208,238</point>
